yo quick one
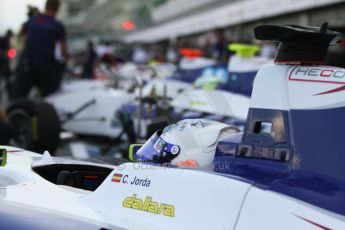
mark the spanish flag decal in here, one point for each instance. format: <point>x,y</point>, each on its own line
<point>116,178</point>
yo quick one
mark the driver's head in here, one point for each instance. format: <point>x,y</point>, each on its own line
<point>52,6</point>
<point>188,143</point>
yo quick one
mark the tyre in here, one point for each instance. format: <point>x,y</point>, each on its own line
<point>7,133</point>
<point>36,125</point>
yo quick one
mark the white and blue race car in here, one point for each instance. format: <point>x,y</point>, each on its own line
<point>284,171</point>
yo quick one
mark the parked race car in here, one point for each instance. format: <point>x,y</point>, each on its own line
<point>201,88</point>
<point>284,171</point>
<point>220,98</point>
<point>95,108</point>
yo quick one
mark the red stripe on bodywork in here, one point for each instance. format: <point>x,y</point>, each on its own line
<point>332,91</point>
<point>15,151</point>
<point>314,223</point>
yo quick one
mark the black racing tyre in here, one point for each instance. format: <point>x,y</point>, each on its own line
<point>36,125</point>
<point>7,133</point>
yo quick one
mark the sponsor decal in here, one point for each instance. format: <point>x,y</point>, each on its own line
<point>148,205</point>
<point>116,178</point>
<point>315,74</point>
<point>175,150</point>
<point>126,179</point>
<point>158,145</point>
<point>136,181</point>
<point>322,75</point>
<point>199,123</point>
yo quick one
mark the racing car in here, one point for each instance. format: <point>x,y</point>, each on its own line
<point>203,88</point>
<point>284,171</point>
<point>93,108</point>
<point>220,98</point>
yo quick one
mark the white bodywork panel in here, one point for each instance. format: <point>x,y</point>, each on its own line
<point>312,87</point>
<point>116,203</point>
<point>28,189</point>
<point>71,86</point>
<point>270,210</point>
<point>270,91</point>
<point>194,206</point>
<point>142,196</point>
<point>107,102</point>
<point>214,101</point>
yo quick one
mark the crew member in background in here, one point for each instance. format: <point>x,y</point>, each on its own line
<point>32,11</point>
<point>6,130</point>
<point>220,48</point>
<point>140,56</point>
<point>5,70</point>
<point>39,66</point>
<point>90,58</point>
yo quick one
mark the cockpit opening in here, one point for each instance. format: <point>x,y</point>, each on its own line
<point>86,177</point>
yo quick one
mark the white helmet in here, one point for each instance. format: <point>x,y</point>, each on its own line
<point>190,142</point>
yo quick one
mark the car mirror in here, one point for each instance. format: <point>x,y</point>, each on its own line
<point>133,149</point>
<point>3,157</point>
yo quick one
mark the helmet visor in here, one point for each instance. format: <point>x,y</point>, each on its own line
<point>157,150</point>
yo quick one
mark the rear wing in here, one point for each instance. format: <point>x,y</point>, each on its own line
<point>298,44</point>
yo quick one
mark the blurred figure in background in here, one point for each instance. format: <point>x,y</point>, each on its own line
<point>105,49</point>
<point>38,66</point>
<point>140,56</point>
<point>90,57</point>
<point>5,70</point>
<point>32,11</point>
<point>220,48</point>
<point>207,41</point>
<point>61,61</point>
<point>171,55</point>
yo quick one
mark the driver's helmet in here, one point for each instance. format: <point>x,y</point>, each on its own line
<point>188,143</point>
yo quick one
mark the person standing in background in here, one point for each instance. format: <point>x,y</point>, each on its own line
<point>90,57</point>
<point>140,56</point>
<point>220,48</point>
<point>5,70</point>
<point>6,130</point>
<point>38,66</point>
